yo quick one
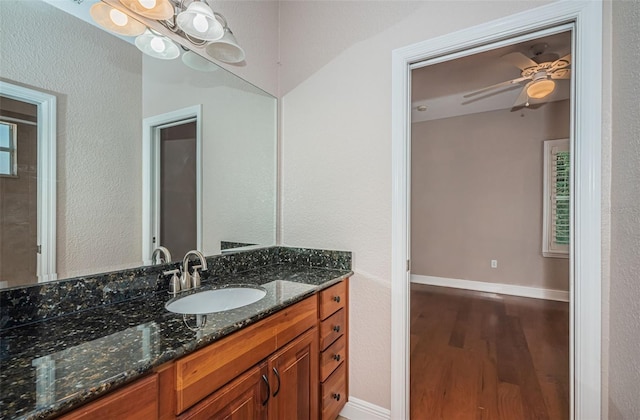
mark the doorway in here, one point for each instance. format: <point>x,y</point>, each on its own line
<point>172,179</point>
<point>27,185</point>
<point>477,204</point>
<point>585,249</point>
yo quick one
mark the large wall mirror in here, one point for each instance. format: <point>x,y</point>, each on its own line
<point>147,151</point>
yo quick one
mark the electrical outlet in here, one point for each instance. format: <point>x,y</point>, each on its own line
<point>494,263</point>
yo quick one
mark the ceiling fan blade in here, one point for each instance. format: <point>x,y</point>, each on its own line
<point>496,86</point>
<point>519,60</point>
<point>561,74</point>
<point>523,98</point>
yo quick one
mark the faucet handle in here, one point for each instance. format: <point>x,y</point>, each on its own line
<point>174,283</point>
<point>195,277</point>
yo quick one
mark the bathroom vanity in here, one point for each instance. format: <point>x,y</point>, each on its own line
<point>284,356</point>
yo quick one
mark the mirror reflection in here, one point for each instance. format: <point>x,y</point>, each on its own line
<point>148,152</point>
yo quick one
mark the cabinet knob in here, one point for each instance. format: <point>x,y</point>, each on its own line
<point>336,357</point>
<point>335,396</point>
<point>336,299</point>
<point>336,328</point>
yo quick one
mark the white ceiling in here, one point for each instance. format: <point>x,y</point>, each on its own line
<point>441,87</point>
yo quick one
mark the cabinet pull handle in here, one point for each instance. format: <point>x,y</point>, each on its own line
<point>336,299</point>
<point>275,371</point>
<point>335,396</point>
<point>336,357</point>
<point>266,382</point>
<point>336,328</point>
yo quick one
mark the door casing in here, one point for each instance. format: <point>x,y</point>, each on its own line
<point>586,129</point>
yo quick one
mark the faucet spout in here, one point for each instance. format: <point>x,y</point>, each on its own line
<point>186,282</point>
<point>161,252</point>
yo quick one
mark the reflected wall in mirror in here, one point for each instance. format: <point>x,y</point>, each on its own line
<point>105,88</point>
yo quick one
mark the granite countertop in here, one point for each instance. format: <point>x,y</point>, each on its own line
<point>51,366</point>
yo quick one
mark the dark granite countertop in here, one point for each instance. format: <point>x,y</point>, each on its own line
<point>51,366</point>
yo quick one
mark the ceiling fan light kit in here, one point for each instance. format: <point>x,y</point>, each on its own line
<point>541,88</point>
<point>539,73</point>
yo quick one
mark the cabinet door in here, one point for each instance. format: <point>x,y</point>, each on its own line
<point>293,373</point>
<point>243,399</point>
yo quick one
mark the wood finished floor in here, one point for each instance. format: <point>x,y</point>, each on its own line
<point>480,355</point>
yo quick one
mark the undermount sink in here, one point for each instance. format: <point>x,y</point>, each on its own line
<point>216,300</point>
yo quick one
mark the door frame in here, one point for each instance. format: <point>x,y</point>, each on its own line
<point>150,173</point>
<point>47,182</point>
<point>586,129</point>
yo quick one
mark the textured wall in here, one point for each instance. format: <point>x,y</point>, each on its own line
<point>336,146</point>
<point>239,129</point>
<point>96,78</point>
<point>255,25</point>
<point>624,316</point>
<point>477,195</point>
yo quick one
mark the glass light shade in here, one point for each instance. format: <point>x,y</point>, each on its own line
<point>541,88</point>
<point>199,22</point>
<point>226,49</point>
<point>115,21</point>
<point>157,46</point>
<point>153,9</point>
<point>194,61</point>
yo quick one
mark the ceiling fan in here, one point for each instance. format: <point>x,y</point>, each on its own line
<point>539,73</point>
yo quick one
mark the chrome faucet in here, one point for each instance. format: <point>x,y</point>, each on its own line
<point>161,250</point>
<point>188,281</point>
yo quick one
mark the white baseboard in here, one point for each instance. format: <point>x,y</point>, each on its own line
<point>357,409</point>
<point>505,289</point>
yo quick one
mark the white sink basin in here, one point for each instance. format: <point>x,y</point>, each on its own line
<point>217,300</point>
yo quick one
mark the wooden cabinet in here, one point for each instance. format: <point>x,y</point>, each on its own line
<point>285,386</point>
<point>293,378</point>
<point>333,313</point>
<point>137,401</point>
<point>290,365</point>
<point>207,370</point>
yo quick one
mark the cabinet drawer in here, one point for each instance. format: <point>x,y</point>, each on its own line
<point>332,328</point>
<point>136,401</point>
<point>332,357</point>
<point>333,299</point>
<point>204,371</point>
<point>334,393</point>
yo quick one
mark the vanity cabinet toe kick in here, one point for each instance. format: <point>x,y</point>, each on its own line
<point>290,365</point>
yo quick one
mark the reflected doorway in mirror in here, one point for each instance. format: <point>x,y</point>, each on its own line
<point>28,192</point>
<point>172,193</point>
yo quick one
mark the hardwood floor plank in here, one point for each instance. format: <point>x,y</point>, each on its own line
<point>486,356</point>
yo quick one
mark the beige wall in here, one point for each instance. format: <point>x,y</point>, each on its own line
<point>624,289</point>
<point>476,195</point>
<point>98,85</point>
<point>336,146</point>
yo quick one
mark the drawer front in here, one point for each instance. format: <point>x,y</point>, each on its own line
<point>204,371</point>
<point>334,393</point>
<point>136,401</point>
<point>333,299</point>
<point>332,328</point>
<point>332,357</point>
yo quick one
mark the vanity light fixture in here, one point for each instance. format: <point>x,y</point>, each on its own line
<point>157,45</point>
<point>199,22</point>
<point>116,21</point>
<point>192,20</point>
<point>194,61</point>
<point>225,49</point>
<point>152,9</point>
